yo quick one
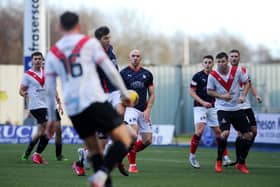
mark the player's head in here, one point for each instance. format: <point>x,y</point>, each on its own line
<point>135,58</point>
<point>208,63</point>
<point>69,21</point>
<point>103,35</point>
<point>222,61</point>
<point>37,59</point>
<point>234,57</point>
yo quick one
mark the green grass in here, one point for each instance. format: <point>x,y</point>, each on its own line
<point>159,167</point>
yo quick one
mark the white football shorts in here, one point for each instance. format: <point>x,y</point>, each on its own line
<point>205,115</point>
<point>133,116</point>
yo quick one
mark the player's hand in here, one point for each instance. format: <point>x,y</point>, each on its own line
<point>227,97</point>
<point>24,93</point>
<point>207,105</point>
<point>131,99</point>
<point>258,99</point>
<point>147,115</point>
<point>241,99</point>
<point>50,129</point>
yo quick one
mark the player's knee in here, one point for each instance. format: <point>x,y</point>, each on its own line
<point>147,140</point>
<point>247,135</point>
<point>217,132</point>
<point>225,134</point>
<point>254,132</point>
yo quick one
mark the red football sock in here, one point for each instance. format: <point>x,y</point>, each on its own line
<point>194,143</point>
<point>132,154</point>
<point>139,146</point>
<point>225,152</point>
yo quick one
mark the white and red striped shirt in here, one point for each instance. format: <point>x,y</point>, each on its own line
<point>223,84</point>
<point>74,58</point>
<point>35,83</point>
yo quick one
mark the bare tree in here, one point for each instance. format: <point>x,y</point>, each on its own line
<point>129,29</point>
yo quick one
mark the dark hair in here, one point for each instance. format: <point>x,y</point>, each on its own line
<point>234,51</point>
<point>69,20</point>
<point>208,57</point>
<point>37,53</point>
<point>101,31</point>
<point>221,55</point>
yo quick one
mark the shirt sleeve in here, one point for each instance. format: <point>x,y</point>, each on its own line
<point>244,76</point>
<point>99,54</point>
<point>50,85</point>
<point>151,79</point>
<point>194,81</point>
<point>24,81</point>
<point>211,83</point>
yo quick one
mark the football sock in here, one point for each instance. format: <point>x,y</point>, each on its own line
<point>31,146</point>
<point>237,147</point>
<point>225,153</point>
<point>221,147</point>
<point>96,161</point>
<point>42,143</point>
<point>253,139</point>
<point>58,150</point>
<point>139,146</point>
<point>194,143</point>
<point>244,150</point>
<point>114,156</point>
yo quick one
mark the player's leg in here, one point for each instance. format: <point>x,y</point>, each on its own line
<point>131,156</point>
<point>133,135</point>
<point>224,122</point>
<point>146,133</point>
<point>34,141</point>
<point>253,132</point>
<point>58,139</point>
<point>115,100</point>
<point>199,125</point>
<point>40,116</point>
<point>241,124</point>
<point>102,117</point>
<point>252,122</point>
<point>195,140</point>
<point>116,152</point>
<point>226,160</point>
<point>43,142</point>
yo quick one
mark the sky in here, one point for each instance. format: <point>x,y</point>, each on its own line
<point>255,21</point>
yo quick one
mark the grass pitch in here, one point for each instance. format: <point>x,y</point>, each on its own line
<point>158,166</point>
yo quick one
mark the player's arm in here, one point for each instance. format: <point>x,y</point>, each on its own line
<point>23,90</point>
<point>254,93</point>
<point>211,90</point>
<point>114,76</point>
<point>150,103</point>
<point>245,92</point>
<point>244,78</point>
<point>214,93</point>
<point>101,59</point>
<point>50,86</point>
<point>59,103</point>
<point>192,92</point>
